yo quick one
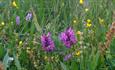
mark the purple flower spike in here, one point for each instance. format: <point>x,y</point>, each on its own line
<point>68,37</point>
<point>29,16</point>
<point>17,20</point>
<point>67,57</point>
<point>47,42</point>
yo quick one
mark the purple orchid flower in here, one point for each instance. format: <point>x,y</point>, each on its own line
<point>47,42</point>
<point>68,37</point>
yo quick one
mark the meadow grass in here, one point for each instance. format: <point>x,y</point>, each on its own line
<point>20,45</point>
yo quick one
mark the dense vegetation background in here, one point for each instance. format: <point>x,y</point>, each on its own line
<point>91,20</point>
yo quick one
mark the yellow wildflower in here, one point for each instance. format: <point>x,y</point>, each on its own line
<point>101,21</point>
<point>74,21</point>
<point>78,32</point>
<point>20,43</point>
<point>81,1</point>
<point>14,4</point>
<point>86,9</point>
<point>3,23</point>
<point>88,21</point>
<point>77,53</point>
<point>88,25</point>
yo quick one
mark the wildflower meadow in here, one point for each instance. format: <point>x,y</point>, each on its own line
<point>57,34</point>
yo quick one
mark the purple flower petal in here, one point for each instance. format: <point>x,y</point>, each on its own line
<point>17,20</point>
<point>29,16</point>
<point>67,57</point>
<point>47,42</point>
<point>68,37</point>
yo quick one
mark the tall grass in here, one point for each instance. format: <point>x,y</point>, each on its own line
<point>22,42</point>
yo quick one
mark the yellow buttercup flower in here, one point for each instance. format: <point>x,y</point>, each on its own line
<point>20,43</point>
<point>88,21</point>
<point>86,9</point>
<point>101,21</point>
<point>77,53</point>
<point>81,1</point>
<point>3,23</point>
<point>14,4</point>
<point>88,25</point>
<point>74,21</point>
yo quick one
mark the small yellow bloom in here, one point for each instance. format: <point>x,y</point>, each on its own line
<point>78,53</point>
<point>88,21</point>
<point>78,32</point>
<point>88,25</point>
<point>45,58</point>
<point>3,23</point>
<point>20,43</point>
<point>86,9</point>
<point>101,21</point>
<point>14,4</point>
<point>81,1</point>
<point>74,21</point>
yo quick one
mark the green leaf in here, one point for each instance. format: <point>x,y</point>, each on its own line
<point>36,22</point>
<point>48,66</point>
<point>74,66</point>
<point>63,66</point>
<point>1,51</point>
<point>94,61</point>
<point>5,61</point>
<point>17,63</point>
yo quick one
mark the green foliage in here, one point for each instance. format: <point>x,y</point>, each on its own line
<point>55,16</point>
<point>5,61</point>
<point>64,67</point>
<point>17,63</point>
